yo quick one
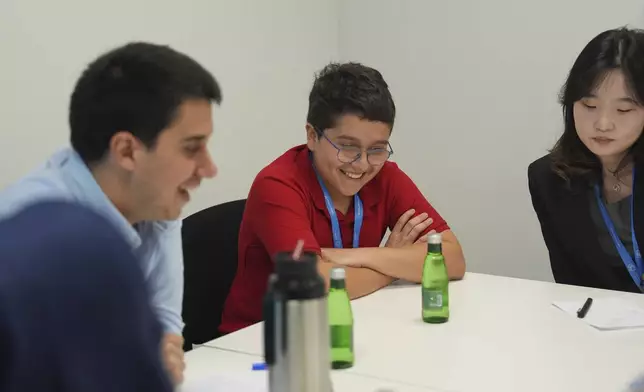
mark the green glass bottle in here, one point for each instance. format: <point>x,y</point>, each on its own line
<point>340,321</point>
<point>435,283</point>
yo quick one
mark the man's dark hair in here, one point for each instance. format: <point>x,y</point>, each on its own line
<point>349,88</point>
<point>136,88</point>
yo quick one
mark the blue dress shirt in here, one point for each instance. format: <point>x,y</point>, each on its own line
<point>157,244</point>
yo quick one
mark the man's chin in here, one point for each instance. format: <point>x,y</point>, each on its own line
<point>171,214</point>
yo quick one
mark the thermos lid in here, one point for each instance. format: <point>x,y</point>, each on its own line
<point>338,273</point>
<point>304,266</point>
<point>298,279</point>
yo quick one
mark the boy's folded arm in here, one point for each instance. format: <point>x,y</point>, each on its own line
<point>400,263</point>
<point>359,281</point>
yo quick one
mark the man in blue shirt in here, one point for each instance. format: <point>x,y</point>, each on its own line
<point>140,118</point>
<point>74,311</point>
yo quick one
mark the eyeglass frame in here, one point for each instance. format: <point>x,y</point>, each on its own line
<point>390,150</point>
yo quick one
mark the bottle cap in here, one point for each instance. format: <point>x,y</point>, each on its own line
<point>435,239</point>
<point>338,273</point>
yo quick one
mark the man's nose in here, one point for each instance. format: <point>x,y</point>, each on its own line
<point>207,169</point>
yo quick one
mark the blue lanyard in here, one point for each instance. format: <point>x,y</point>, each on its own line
<point>635,268</point>
<point>335,225</point>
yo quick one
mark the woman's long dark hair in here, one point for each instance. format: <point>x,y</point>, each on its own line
<point>620,49</point>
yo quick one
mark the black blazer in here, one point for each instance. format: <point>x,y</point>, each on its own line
<point>576,256</point>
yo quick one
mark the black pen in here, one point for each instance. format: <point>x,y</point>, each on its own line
<point>581,313</point>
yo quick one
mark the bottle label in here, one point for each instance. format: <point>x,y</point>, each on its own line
<point>342,336</point>
<point>432,299</point>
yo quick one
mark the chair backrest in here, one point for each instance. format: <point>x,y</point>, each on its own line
<point>210,241</point>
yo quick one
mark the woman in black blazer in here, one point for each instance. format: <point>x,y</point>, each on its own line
<point>590,187</point>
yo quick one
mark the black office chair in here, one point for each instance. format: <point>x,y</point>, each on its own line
<point>210,241</point>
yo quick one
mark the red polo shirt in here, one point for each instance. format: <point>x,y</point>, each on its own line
<point>286,204</point>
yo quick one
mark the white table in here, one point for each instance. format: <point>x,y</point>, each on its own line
<point>503,336</point>
<point>204,362</point>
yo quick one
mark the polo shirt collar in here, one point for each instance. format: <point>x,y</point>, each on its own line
<point>368,194</point>
<point>86,190</point>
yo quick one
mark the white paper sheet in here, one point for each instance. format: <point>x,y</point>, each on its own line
<point>607,313</point>
<point>229,382</point>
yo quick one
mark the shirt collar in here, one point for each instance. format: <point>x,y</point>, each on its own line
<point>85,189</point>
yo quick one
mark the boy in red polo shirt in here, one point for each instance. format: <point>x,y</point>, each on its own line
<point>339,194</point>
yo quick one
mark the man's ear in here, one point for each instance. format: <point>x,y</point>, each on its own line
<point>125,149</point>
<point>312,137</point>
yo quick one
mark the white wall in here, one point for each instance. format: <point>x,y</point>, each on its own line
<point>476,83</point>
<point>263,53</point>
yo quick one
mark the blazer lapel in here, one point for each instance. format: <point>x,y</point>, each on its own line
<point>577,226</point>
